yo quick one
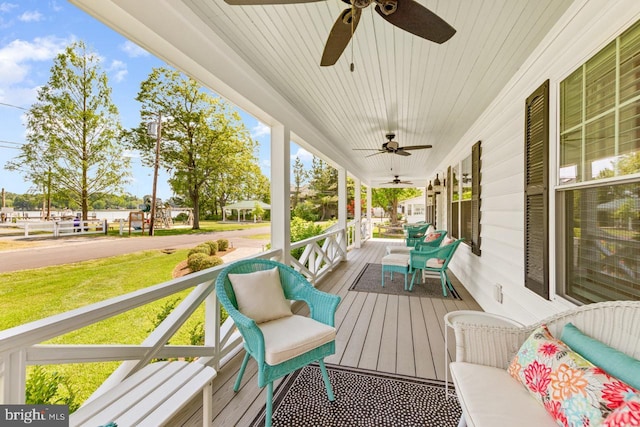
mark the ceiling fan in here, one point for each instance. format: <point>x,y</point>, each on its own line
<point>397,181</point>
<point>393,147</point>
<point>407,15</point>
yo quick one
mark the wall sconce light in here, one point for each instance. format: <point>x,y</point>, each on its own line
<point>430,191</point>
<point>437,186</point>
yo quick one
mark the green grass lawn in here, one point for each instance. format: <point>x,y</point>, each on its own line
<point>30,295</point>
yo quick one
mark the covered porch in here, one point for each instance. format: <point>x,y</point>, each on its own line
<point>475,91</point>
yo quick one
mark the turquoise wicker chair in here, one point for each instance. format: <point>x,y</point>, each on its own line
<point>416,234</point>
<point>428,260</point>
<point>432,244</point>
<point>322,307</point>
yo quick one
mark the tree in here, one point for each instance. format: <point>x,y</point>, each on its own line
<point>324,183</point>
<point>73,132</point>
<point>300,175</point>
<point>204,146</point>
<point>388,198</point>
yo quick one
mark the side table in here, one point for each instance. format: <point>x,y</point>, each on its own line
<point>470,316</point>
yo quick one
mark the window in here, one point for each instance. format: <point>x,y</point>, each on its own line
<point>463,182</point>
<point>599,174</point>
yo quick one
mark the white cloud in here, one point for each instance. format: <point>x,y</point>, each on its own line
<point>20,96</point>
<point>17,57</point>
<point>265,164</point>
<point>119,70</point>
<point>260,130</point>
<point>7,7</point>
<point>303,155</point>
<point>132,49</point>
<point>31,16</point>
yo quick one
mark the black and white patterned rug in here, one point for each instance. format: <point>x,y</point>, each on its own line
<point>363,398</point>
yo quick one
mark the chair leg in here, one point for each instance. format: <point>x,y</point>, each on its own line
<point>325,378</point>
<point>236,386</point>
<point>269,409</point>
<point>383,277</point>
<point>412,279</point>
<point>443,280</point>
<point>405,280</point>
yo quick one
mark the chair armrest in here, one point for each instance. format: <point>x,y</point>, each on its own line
<point>488,345</point>
<point>322,305</point>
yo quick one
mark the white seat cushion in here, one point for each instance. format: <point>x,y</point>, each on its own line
<point>399,250</point>
<point>399,260</point>
<point>490,397</point>
<point>435,263</point>
<point>291,336</point>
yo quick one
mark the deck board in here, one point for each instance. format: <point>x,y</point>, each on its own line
<point>401,334</point>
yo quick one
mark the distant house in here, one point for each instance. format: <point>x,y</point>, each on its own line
<point>414,209</point>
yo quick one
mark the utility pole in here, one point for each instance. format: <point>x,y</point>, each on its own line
<point>156,165</point>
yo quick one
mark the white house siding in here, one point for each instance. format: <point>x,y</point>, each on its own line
<point>586,27</point>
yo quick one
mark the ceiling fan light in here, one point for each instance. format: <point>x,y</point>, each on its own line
<point>387,7</point>
<point>430,189</point>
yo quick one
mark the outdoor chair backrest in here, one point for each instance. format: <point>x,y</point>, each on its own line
<point>432,244</point>
<point>418,258</point>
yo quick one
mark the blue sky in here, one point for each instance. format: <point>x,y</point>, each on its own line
<point>32,33</point>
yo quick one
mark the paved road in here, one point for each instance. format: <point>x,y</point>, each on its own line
<point>51,251</point>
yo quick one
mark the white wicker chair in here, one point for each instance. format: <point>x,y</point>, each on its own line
<point>616,323</point>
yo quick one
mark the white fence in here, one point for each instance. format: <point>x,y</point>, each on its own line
<point>64,228</point>
<point>21,346</point>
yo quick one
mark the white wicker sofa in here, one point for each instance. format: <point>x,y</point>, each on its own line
<point>489,396</point>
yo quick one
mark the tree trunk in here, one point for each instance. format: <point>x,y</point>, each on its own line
<point>195,198</point>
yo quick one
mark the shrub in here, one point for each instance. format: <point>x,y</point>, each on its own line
<point>196,260</point>
<point>199,261</point>
<point>165,310</point>
<point>216,260</point>
<point>181,217</point>
<point>200,249</point>
<point>213,246</point>
<point>306,211</point>
<point>44,388</point>
<point>223,244</point>
<point>300,230</point>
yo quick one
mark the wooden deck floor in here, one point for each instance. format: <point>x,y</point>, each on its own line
<point>388,333</point>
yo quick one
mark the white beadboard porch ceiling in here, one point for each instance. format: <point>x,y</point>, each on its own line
<point>423,92</point>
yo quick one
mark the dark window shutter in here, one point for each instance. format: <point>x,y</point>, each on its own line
<point>475,198</point>
<point>536,222</point>
<point>449,190</point>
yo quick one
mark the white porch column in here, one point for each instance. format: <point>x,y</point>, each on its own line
<point>342,203</point>
<point>357,213</point>
<point>369,216</point>
<point>280,189</point>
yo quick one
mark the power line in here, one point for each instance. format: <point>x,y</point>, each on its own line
<point>14,106</point>
<point>11,142</point>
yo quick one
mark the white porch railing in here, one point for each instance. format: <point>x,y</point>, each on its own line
<point>21,346</point>
<point>320,255</point>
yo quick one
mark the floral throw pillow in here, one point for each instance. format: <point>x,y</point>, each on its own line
<point>575,392</point>
<point>627,414</point>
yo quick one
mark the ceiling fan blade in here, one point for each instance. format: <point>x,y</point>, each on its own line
<point>415,147</point>
<point>375,154</point>
<point>411,16</point>
<point>265,2</point>
<point>366,149</point>
<point>401,152</point>
<point>340,36</point>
